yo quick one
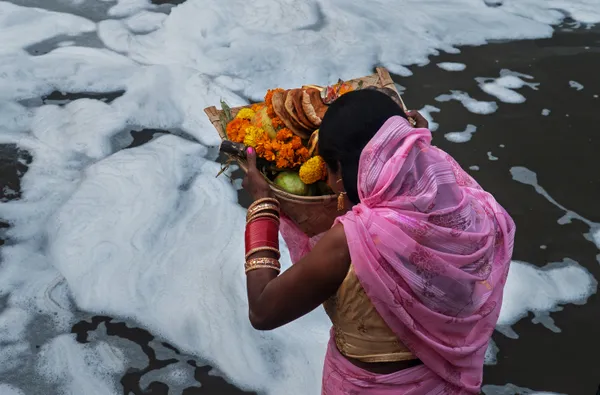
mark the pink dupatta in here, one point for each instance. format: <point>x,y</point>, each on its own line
<point>432,250</point>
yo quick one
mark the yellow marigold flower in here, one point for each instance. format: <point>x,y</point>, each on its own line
<point>313,170</point>
<point>253,136</point>
<point>245,113</point>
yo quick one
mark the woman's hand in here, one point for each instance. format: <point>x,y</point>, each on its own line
<point>421,122</point>
<point>254,182</point>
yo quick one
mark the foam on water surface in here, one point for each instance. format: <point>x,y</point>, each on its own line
<point>461,137</point>
<point>426,112</point>
<point>6,389</point>
<point>511,389</point>
<point>13,345</point>
<point>149,233</point>
<point>541,291</point>
<point>504,87</point>
<point>491,354</point>
<point>576,85</point>
<point>473,105</point>
<point>80,368</point>
<point>23,26</point>
<point>450,66</point>
<point>545,112</point>
<point>164,216</point>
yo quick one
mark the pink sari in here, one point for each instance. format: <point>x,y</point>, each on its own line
<point>432,250</point>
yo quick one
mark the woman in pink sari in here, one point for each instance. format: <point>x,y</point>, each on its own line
<point>411,273</point>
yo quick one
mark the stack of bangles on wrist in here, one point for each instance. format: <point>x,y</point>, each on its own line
<point>262,234</point>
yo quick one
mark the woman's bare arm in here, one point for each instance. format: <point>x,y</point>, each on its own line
<point>276,300</point>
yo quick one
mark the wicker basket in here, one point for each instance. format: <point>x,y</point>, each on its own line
<point>313,214</point>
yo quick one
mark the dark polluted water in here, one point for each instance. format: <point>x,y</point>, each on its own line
<point>538,158</point>
<point>561,148</point>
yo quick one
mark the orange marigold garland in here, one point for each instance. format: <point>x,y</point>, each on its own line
<point>257,107</point>
<point>285,150</point>
<point>236,129</point>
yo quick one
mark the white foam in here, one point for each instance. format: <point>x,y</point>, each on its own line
<point>491,156</point>
<point>145,21</point>
<point>426,112</point>
<point>545,112</point>
<point>450,66</point>
<point>474,168</point>
<point>504,87</point>
<point>17,30</point>
<point>6,389</point>
<point>575,85</point>
<point>81,368</point>
<point>541,290</point>
<point>13,322</point>
<point>473,105</point>
<point>596,237</point>
<point>504,94</point>
<point>129,7</point>
<point>511,389</point>
<point>461,137</point>
<point>67,43</point>
<point>165,249</point>
<point>491,354</point>
<point>177,376</point>
<point>163,216</point>
<point>13,356</point>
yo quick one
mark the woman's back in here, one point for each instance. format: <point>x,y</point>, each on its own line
<point>360,332</point>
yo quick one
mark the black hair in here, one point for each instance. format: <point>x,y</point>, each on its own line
<point>349,124</point>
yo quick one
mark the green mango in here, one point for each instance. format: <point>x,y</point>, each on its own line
<point>290,182</point>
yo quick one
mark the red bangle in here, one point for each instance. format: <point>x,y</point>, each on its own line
<point>262,232</point>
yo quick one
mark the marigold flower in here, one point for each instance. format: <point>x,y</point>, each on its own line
<point>284,134</point>
<point>245,113</point>
<point>253,136</point>
<point>282,163</point>
<point>257,107</point>
<point>236,129</point>
<point>313,170</point>
<point>276,121</point>
<point>302,155</point>
<point>296,142</point>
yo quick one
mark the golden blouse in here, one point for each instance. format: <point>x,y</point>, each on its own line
<point>360,332</point>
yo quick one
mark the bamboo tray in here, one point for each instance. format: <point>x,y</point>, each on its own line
<point>313,214</point>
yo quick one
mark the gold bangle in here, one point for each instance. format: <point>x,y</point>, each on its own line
<point>264,200</point>
<point>261,249</point>
<point>262,215</point>
<point>278,270</point>
<point>267,263</point>
<point>262,207</point>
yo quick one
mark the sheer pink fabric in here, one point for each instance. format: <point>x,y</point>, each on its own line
<point>432,250</point>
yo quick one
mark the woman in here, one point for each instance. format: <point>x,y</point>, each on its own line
<point>411,273</point>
